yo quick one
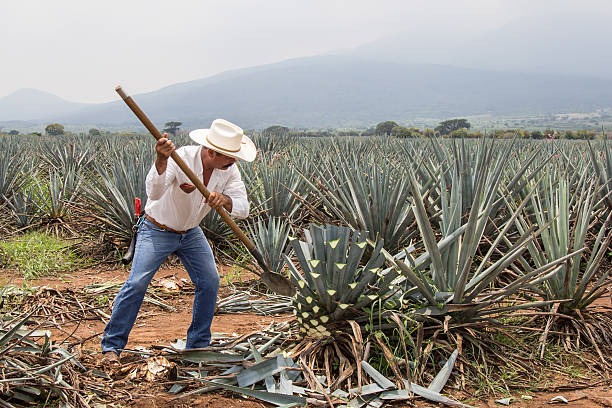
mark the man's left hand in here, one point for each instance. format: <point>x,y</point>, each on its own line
<point>217,200</point>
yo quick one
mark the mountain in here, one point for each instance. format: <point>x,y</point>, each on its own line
<point>537,65</point>
<point>554,43</point>
<point>337,91</point>
<point>31,104</point>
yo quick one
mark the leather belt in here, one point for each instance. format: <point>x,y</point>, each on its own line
<point>162,226</point>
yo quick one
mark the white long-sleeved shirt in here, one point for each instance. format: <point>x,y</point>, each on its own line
<point>171,206</point>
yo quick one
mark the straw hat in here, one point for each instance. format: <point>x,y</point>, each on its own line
<point>226,138</point>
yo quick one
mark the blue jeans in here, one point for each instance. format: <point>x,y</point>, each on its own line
<point>153,246</point>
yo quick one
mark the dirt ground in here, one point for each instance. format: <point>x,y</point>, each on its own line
<point>156,326</point>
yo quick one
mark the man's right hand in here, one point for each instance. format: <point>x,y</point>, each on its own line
<point>164,148</point>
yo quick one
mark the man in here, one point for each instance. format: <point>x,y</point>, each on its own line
<point>174,211</point>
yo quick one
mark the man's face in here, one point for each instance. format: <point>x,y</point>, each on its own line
<point>221,161</point>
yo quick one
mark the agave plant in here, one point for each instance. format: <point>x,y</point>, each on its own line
<point>273,185</point>
<point>54,194</point>
<point>337,279</point>
<point>113,191</point>
<point>464,160</point>
<point>12,163</point>
<point>270,237</point>
<point>23,207</point>
<point>603,170</point>
<point>365,195</point>
<point>449,276</point>
<point>35,374</point>
<point>571,216</point>
<point>76,155</point>
<point>275,141</point>
<point>216,229</point>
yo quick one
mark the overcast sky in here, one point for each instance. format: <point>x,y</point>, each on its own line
<point>80,50</point>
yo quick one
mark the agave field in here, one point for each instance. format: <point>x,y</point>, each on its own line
<point>410,257</point>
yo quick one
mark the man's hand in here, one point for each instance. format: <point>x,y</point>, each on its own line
<point>164,148</point>
<point>217,200</point>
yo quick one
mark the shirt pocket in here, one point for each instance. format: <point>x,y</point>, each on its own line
<point>183,179</point>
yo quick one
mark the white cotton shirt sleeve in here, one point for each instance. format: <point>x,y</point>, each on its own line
<point>156,184</point>
<point>234,188</point>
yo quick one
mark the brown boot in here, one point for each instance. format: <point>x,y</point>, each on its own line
<point>110,360</point>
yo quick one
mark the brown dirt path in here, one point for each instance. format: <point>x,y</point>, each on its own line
<point>154,326</point>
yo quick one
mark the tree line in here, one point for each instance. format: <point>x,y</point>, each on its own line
<point>452,128</point>
<point>57,129</point>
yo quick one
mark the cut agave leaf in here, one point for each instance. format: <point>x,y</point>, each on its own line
<point>285,384</point>
<point>272,398</point>
<point>421,392</point>
<point>366,389</point>
<point>204,356</point>
<point>270,384</point>
<point>262,370</point>
<point>380,379</point>
<point>444,374</point>
<point>370,401</point>
<point>13,331</point>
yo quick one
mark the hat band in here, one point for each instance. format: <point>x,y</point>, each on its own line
<point>222,148</point>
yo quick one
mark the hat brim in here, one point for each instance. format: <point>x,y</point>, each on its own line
<point>247,151</point>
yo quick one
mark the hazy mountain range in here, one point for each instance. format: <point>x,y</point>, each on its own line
<point>535,67</point>
<point>577,44</point>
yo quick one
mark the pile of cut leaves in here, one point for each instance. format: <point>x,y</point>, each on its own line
<point>238,365</point>
<point>34,371</point>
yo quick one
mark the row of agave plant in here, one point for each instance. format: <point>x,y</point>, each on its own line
<point>433,233</point>
<point>451,236</point>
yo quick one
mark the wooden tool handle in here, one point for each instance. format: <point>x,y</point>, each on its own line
<point>190,174</point>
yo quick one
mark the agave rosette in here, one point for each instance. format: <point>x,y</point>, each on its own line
<point>338,278</point>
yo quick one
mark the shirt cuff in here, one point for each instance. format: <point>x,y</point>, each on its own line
<point>240,208</point>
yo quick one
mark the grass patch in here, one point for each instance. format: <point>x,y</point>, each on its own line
<point>36,254</point>
<point>233,276</point>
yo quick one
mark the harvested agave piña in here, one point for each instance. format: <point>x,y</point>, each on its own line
<point>338,277</point>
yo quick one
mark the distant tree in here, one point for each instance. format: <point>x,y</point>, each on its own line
<point>94,132</point>
<point>368,132</point>
<point>568,134</point>
<point>524,134</point>
<point>348,133</point>
<point>536,134</point>
<point>385,128</point>
<point>172,127</point>
<point>428,132</point>
<point>585,134</point>
<point>447,126</point>
<point>476,135</point>
<point>275,130</point>
<point>36,134</point>
<point>54,129</point>
<point>503,134</point>
<point>460,133</point>
<point>402,132</point>
<point>14,132</point>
